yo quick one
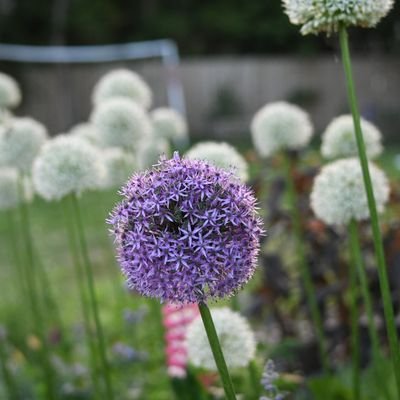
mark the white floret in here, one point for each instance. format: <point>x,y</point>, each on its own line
<point>120,123</point>
<point>119,166</point>
<point>169,124</point>
<point>10,93</point>
<point>338,195</point>
<point>150,149</point>
<point>235,335</point>
<point>86,131</point>
<point>222,155</point>
<point>280,126</point>
<point>316,16</point>
<point>122,83</point>
<point>20,142</point>
<point>339,140</point>
<point>67,165</point>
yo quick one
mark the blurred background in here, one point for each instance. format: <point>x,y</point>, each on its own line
<point>235,57</point>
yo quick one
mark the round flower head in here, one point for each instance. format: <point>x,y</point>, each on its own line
<point>150,149</point>
<point>316,16</point>
<point>21,142</point>
<point>338,193</point>
<point>186,231</point>
<point>222,155</point>
<point>9,190</point>
<point>120,123</point>
<point>87,132</point>
<point>235,335</point>
<point>339,140</point>
<point>170,125</point>
<point>66,165</point>
<point>119,166</point>
<point>10,94</point>
<point>122,83</point>
<point>279,126</point>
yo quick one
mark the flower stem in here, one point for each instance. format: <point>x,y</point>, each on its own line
<point>367,299</point>
<point>34,300</point>
<point>9,382</point>
<point>377,236</point>
<point>304,268</point>
<point>255,380</point>
<point>88,268</point>
<point>217,351</point>
<point>355,331</point>
<point>80,276</point>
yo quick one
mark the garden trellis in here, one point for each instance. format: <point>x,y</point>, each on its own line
<point>164,49</point>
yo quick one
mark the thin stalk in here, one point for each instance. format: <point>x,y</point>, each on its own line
<point>9,382</point>
<point>217,351</point>
<point>34,299</point>
<point>255,381</point>
<point>377,236</point>
<point>355,331</point>
<point>92,297</point>
<point>304,268</point>
<point>367,299</point>
<point>362,276</point>
<point>80,277</point>
<point>20,276</point>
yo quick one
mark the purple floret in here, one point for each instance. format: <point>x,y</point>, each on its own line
<point>186,232</point>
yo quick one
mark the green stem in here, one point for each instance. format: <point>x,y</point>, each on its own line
<point>80,277</point>
<point>9,383</point>
<point>88,268</point>
<point>367,299</point>
<point>362,276</point>
<point>377,236</point>
<point>34,299</point>
<point>217,351</point>
<point>355,331</point>
<point>304,268</point>
<point>255,379</point>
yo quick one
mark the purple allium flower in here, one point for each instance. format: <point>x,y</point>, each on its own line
<point>186,232</point>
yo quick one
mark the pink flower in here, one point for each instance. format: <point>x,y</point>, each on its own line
<point>176,320</point>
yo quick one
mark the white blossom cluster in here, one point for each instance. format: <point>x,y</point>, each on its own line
<point>222,155</point>
<point>235,335</point>
<point>122,83</point>
<point>120,122</point>
<point>119,166</point>
<point>86,131</point>
<point>10,93</point>
<point>169,124</point>
<point>280,126</point>
<point>9,193</point>
<point>21,142</point>
<point>150,149</point>
<point>339,139</point>
<point>338,195</point>
<point>66,165</point>
<point>317,16</point>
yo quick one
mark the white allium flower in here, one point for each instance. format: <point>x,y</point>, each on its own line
<point>21,142</point>
<point>338,193</point>
<point>10,196</point>
<point>10,93</point>
<point>66,165</point>
<point>150,149</point>
<point>278,126</point>
<point>87,131</point>
<point>119,166</point>
<point>222,155</point>
<point>170,125</point>
<point>339,139</point>
<point>316,16</point>
<point>120,123</point>
<point>122,83</point>
<point>236,337</point>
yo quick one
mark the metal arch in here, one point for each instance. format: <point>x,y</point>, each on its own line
<point>166,49</point>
